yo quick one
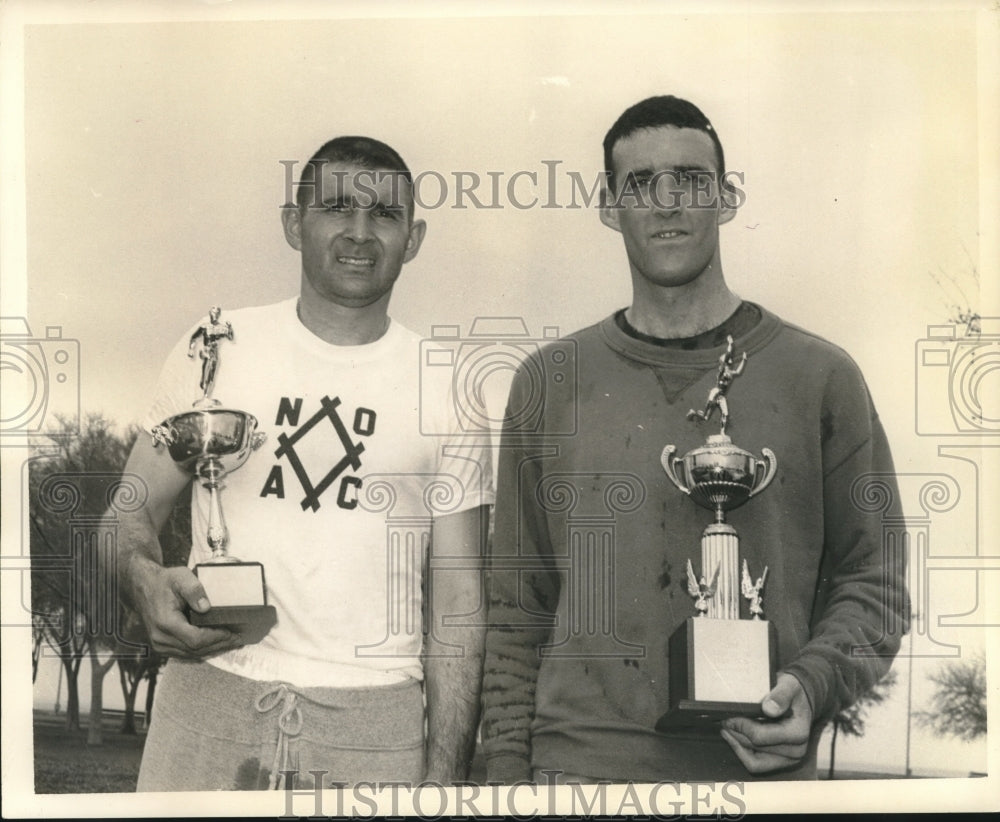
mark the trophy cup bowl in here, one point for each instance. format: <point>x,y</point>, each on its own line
<point>204,435</point>
<point>719,475</point>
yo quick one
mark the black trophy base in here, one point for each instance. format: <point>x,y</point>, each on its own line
<point>238,596</point>
<point>702,716</point>
<point>719,668</point>
<point>251,622</point>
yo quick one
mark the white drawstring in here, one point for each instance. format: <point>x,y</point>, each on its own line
<point>289,726</point>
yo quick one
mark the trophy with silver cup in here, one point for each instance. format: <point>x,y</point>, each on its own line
<point>720,665</point>
<point>209,442</point>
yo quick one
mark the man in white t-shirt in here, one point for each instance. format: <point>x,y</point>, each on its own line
<point>367,674</point>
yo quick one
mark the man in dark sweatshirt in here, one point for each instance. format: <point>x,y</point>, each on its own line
<point>588,570</point>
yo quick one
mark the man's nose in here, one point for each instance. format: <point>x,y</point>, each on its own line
<point>667,196</point>
<point>360,229</point>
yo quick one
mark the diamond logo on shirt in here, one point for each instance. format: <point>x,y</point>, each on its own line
<point>320,451</point>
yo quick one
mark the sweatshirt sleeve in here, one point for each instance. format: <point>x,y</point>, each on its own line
<point>523,593</point>
<point>861,608</point>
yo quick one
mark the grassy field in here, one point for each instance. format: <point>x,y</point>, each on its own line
<point>65,763</point>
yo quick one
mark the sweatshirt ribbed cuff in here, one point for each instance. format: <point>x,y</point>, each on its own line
<point>815,675</point>
<point>506,769</point>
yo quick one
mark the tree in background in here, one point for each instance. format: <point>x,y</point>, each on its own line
<point>134,667</point>
<point>851,721</point>
<point>72,481</point>
<point>958,706</point>
<point>54,606</point>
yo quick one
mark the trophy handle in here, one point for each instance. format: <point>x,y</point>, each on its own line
<point>763,474</point>
<point>669,461</point>
<point>163,435</point>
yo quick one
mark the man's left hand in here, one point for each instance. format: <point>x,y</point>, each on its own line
<point>779,741</point>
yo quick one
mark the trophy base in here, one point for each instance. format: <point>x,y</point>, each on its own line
<point>238,596</point>
<point>702,717</point>
<point>718,668</point>
<point>252,622</point>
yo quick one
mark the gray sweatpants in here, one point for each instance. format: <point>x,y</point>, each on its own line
<point>212,730</point>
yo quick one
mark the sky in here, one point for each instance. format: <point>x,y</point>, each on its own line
<point>145,157</point>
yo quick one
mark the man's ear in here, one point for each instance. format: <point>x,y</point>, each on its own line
<point>291,221</point>
<point>417,231</point>
<point>731,199</point>
<point>609,211</point>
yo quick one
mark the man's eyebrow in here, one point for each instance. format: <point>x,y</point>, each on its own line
<point>669,169</point>
<point>641,172</point>
<point>362,200</point>
<point>648,171</point>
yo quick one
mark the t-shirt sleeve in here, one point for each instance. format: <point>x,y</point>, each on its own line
<point>464,478</point>
<point>464,473</point>
<point>177,387</point>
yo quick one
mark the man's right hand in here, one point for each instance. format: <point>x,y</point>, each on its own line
<point>161,596</point>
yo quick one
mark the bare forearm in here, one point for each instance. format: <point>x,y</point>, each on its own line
<point>138,545</point>
<point>162,596</point>
<point>452,687</point>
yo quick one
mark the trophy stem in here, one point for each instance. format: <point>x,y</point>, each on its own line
<point>212,472</point>
<point>720,549</point>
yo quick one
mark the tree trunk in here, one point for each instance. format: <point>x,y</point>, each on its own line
<point>128,721</point>
<point>36,654</point>
<point>72,695</point>
<point>129,691</point>
<point>833,749</point>
<point>154,672</point>
<point>95,730</point>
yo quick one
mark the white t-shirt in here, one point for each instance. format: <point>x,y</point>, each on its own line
<point>362,452</point>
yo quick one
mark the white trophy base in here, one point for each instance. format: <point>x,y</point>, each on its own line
<point>238,596</point>
<point>718,668</point>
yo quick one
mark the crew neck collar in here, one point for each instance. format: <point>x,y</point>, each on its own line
<point>739,323</point>
<point>651,351</point>
<point>318,346</point>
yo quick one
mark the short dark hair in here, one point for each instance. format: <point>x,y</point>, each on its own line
<point>656,112</point>
<point>366,152</point>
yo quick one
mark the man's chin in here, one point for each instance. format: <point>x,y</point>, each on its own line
<point>356,299</point>
<point>672,278</point>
